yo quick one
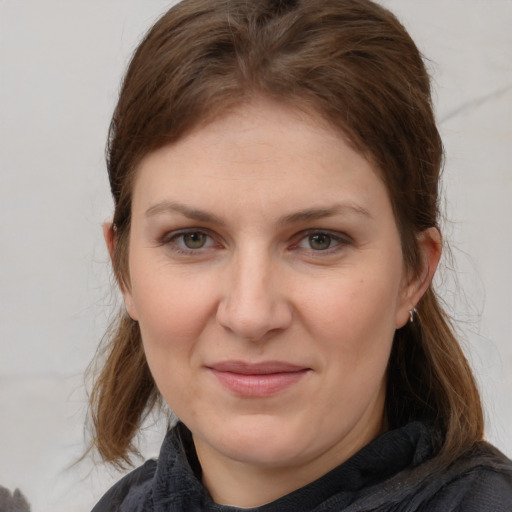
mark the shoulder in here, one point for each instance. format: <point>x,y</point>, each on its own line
<point>134,487</point>
<point>480,481</point>
<point>14,502</point>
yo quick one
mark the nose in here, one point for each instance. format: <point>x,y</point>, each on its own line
<point>254,305</point>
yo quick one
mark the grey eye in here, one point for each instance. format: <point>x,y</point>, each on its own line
<point>320,241</point>
<point>195,240</point>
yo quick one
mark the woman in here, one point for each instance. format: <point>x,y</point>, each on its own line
<point>275,168</point>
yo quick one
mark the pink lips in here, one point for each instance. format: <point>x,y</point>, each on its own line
<point>257,380</point>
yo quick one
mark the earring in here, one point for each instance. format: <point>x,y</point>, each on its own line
<point>412,314</point>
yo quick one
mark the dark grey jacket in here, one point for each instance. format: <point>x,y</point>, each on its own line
<point>394,473</point>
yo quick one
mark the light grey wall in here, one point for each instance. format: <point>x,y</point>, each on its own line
<point>60,66</point>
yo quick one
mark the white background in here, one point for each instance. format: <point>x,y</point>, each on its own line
<point>60,66</point>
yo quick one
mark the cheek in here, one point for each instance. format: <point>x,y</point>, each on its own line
<point>171,303</point>
<point>354,318</point>
<point>170,319</point>
<point>173,310</point>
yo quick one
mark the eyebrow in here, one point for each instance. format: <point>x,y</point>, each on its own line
<point>320,213</point>
<point>305,215</point>
<point>186,211</point>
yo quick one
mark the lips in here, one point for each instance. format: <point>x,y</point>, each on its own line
<point>259,379</point>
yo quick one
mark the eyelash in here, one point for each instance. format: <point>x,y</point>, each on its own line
<point>340,241</point>
<point>171,240</point>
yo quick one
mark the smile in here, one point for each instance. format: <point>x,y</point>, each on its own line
<point>257,380</point>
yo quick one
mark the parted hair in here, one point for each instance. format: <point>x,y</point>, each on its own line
<point>350,62</point>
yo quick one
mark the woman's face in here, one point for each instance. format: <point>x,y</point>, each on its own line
<point>267,277</point>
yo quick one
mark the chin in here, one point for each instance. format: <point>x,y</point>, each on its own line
<point>262,440</point>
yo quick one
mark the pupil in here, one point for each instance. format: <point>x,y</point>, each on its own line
<point>320,242</point>
<point>194,240</point>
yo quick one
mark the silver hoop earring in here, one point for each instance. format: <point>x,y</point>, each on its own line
<point>412,314</point>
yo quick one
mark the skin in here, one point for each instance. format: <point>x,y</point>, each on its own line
<point>291,254</point>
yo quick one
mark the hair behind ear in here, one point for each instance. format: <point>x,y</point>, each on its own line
<point>429,378</point>
<point>123,393</point>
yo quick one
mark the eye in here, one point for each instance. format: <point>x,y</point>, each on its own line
<point>319,241</point>
<point>188,242</point>
<point>195,240</point>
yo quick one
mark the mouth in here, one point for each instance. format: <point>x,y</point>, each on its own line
<point>257,380</point>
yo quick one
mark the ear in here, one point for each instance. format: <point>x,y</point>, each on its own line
<point>430,245</point>
<point>110,241</point>
<point>109,236</point>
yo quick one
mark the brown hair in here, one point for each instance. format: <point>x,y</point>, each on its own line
<point>354,64</point>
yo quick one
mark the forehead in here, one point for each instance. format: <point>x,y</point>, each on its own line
<point>262,152</point>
